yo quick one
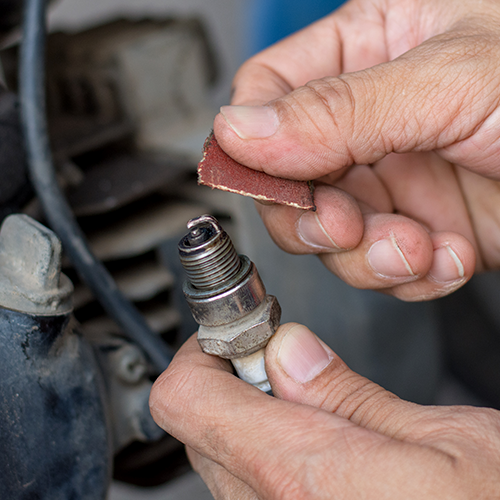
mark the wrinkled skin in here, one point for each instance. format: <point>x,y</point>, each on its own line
<point>392,107</point>
<point>337,436</point>
<point>435,104</point>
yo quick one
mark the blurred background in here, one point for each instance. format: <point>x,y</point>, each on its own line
<point>132,90</point>
<point>237,29</point>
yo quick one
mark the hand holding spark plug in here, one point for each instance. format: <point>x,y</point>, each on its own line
<point>328,432</point>
<point>419,78</point>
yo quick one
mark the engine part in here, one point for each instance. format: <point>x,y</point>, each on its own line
<point>30,268</point>
<point>53,420</point>
<point>148,78</point>
<point>15,189</point>
<point>107,99</point>
<point>56,208</point>
<point>228,300</point>
<point>124,179</point>
<point>128,388</point>
<point>11,15</point>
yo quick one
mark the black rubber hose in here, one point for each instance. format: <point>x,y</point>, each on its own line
<point>56,208</point>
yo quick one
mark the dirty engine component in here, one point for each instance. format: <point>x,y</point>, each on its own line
<point>53,418</point>
<point>56,208</point>
<point>228,300</point>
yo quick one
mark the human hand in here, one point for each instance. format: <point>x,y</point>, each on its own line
<point>419,210</point>
<point>328,433</point>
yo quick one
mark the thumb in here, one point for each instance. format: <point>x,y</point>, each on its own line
<point>426,99</point>
<point>303,369</point>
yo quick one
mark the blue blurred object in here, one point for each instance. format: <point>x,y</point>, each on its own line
<point>272,20</point>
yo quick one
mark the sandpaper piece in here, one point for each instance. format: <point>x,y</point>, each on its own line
<point>218,170</point>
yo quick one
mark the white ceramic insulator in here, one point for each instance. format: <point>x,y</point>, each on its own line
<point>252,369</point>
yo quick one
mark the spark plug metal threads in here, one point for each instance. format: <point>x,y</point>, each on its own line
<point>228,300</point>
<point>207,254</point>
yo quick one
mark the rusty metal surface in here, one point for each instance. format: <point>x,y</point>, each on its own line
<point>245,295</point>
<point>227,299</point>
<point>243,337</point>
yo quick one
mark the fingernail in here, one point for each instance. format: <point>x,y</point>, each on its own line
<point>446,266</point>
<point>386,258</point>
<point>312,232</point>
<point>301,355</point>
<point>251,122</point>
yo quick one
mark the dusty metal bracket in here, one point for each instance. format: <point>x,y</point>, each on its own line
<point>30,268</point>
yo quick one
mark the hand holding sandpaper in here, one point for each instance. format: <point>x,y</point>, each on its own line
<point>218,170</point>
<point>405,178</point>
<point>332,103</point>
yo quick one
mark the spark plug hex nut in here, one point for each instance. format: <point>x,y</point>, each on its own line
<point>244,336</point>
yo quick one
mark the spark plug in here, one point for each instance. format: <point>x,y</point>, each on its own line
<point>228,300</point>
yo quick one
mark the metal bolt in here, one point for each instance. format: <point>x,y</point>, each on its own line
<point>227,299</point>
<point>129,364</point>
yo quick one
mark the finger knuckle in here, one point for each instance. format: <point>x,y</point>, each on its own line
<point>483,421</point>
<point>347,113</point>
<point>323,112</point>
